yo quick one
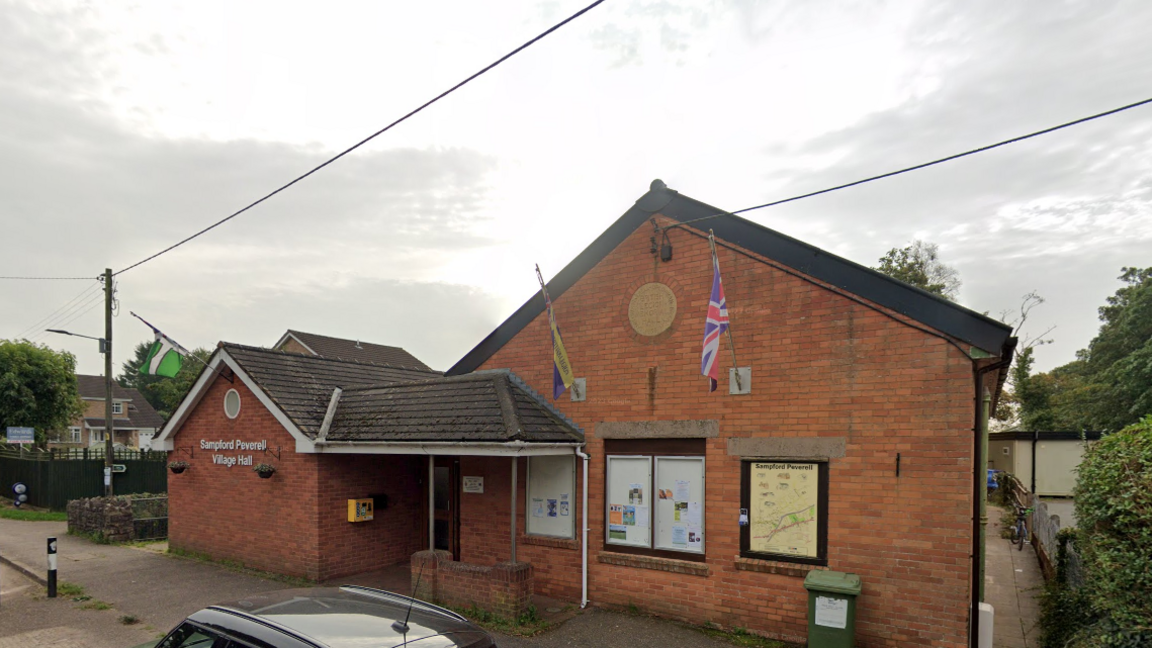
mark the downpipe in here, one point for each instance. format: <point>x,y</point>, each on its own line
<point>584,539</point>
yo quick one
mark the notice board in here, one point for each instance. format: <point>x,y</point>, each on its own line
<point>628,501</point>
<point>551,499</point>
<point>680,503</point>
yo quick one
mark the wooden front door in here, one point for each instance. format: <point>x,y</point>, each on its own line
<point>446,509</point>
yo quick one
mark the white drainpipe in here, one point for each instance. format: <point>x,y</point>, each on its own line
<point>584,539</point>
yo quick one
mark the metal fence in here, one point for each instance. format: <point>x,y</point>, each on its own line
<point>150,518</point>
<point>54,477</point>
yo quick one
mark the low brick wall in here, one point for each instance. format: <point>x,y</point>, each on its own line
<point>504,589</point>
<point>106,517</point>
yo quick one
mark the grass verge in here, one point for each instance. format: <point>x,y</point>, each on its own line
<point>33,516</point>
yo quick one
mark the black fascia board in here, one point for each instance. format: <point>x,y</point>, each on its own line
<point>919,305</point>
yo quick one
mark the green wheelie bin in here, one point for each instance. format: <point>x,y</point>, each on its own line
<point>831,608</point>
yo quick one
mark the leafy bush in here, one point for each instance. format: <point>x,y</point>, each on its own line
<point>1113,498</point>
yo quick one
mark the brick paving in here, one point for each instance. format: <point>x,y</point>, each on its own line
<point>1012,585</point>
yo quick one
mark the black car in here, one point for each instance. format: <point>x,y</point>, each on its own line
<point>331,617</point>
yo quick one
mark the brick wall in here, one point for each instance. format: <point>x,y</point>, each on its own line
<point>485,532</point>
<point>230,513</point>
<point>504,588</point>
<point>823,366</point>
<point>393,534</point>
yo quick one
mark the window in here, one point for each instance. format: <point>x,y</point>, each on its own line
<point>552,496</point>
<point>117,408</point>
<point>74,435</point>
<point>190,636</point>
<point>655,497</point>
<point>787,507</point>
<point>232,403</point>
<point>97,436</point>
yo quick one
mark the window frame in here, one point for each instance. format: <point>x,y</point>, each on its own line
<point>653,449</point>
<point>571,500</point>
<point>117,408</point>
<point>821,558</point>
<point>75,434</point>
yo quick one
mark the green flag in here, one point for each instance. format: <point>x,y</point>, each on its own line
<point>165,357</point>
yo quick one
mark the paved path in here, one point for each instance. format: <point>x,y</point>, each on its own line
<point>28,619</point>
<point>159,589</point>
<point>1012,585</point>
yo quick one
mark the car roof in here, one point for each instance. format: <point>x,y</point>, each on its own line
<point>343,617</point>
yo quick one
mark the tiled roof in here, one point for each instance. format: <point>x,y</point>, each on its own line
<point>93,387</point>
<point>301,385</point>
<point>139,413</point>
<point>357,351</point>
<point>479,407</point>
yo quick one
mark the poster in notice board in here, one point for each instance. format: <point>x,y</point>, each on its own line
<point>628,479</point>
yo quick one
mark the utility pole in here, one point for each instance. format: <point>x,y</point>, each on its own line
<point>108,382</point>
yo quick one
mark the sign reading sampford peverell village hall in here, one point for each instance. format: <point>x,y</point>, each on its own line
<point>230,460</point>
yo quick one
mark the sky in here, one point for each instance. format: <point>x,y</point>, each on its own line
<point>126,127</point>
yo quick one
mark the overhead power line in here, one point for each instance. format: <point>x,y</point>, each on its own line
<point>924,165</point>
<point>370,137</point>
<point>46,278</point>
<point>45,321</point>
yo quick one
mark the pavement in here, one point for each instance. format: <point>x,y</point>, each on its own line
<point>160,590</point>
<point>1012,585</point>
<point>28,619</point>
<point>157,588</point>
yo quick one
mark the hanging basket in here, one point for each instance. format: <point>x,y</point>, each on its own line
<point>264,470</point>
<point>178,467</point>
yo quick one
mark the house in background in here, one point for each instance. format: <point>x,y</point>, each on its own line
<point>1044,462</point>
<point>351,350</point>
<point>134,422</point>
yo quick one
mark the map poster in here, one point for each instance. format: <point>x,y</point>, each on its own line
<point>784,508</point>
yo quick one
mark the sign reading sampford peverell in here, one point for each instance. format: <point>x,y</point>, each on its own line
<point>229,460</point>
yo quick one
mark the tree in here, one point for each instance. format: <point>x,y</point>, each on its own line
<point>163,394</point>
<point>37,388</point>
<point>919,264</point>
<point>1109,384</point>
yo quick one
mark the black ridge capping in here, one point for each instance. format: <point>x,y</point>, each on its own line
<point>919,305</point>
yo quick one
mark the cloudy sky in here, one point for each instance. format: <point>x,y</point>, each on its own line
<point>125,127</point>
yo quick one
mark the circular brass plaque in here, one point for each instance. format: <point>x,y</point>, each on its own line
<point>652,309</point>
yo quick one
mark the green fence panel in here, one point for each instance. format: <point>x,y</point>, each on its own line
<point>55,479</point>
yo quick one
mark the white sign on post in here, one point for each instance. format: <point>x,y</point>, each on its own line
<point>831,612</point>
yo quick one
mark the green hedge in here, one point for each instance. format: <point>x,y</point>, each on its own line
<point>1113,498</point>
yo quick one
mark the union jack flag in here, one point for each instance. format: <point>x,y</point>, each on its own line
<point>714,326</point>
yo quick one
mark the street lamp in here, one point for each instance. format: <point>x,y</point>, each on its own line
<point>106,349</point>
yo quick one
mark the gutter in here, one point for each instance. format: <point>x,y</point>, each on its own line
<point>524,448</point>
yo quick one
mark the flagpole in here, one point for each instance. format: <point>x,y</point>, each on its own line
<point>727,329</point>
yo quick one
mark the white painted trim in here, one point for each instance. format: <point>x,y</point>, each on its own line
<point>164,440</point>
<point>458,448</point>
<point>288,334</point>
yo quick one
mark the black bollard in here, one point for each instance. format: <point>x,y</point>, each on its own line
<point>51,567</point>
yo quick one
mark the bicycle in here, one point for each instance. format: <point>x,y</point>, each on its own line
<point>1020,530</point>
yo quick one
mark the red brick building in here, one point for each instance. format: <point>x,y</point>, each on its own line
<point>849,443</point>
